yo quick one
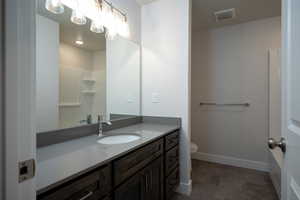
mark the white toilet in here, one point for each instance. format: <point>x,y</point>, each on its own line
<point>194,147</point>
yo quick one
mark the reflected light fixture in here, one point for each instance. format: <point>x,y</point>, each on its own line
<point>77,15</point>
<point>97,25</point>
<point>54,6</point>
<point>103,15</point>
<point>79,42</point>
<point>124,28</point>
<point>112,21</point>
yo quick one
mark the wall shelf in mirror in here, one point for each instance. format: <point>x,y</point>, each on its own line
<point>87,80</point>
<point>89,92</point>
<point>69,104</point>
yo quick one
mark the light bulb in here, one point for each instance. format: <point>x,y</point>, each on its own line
<point>77,16</point>
<point>106,14</point>
<point>124,29</point>
<point>97,26</point>
<point>110,34</point>
<point>111,25</point>
<point>54,6</point>
<point>79,42</point>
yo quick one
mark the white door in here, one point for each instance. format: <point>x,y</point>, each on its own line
<point>19,97</point>
<point>291,99</point>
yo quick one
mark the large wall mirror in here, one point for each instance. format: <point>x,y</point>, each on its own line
<point>81,75</point>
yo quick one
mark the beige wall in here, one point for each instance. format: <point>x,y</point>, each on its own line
<point>77,64</point>
<point>230,64</point>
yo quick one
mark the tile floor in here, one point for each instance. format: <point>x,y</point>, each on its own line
<point>221,182</point>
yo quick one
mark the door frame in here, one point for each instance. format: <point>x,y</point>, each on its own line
<point>19,95</point>
<point>289,188</point>
<point>1,102</point>
<point>284,62</point>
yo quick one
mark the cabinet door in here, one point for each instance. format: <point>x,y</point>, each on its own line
<point>131,189</point>
<point>153,181</point>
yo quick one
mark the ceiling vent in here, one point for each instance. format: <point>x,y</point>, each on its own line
<point>224,15</point>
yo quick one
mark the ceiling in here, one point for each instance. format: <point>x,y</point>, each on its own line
<point>246,10</point>
<point>70,32</point>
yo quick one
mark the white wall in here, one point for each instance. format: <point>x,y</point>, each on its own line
<point>276,155</point>
<point>123,77</point>
<point>275,100</point>
<point>47,69</point>
<point>133,11</point>
<point>230,64</point>
<point>165,69</point>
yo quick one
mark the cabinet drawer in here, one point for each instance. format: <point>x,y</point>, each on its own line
<point>133,162</point>
<point>91,186</point>
<point>171,160</point>
<point>172,140</point>
<point>171,183</point>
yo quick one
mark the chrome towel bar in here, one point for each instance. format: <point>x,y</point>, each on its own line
<point>224,104</point>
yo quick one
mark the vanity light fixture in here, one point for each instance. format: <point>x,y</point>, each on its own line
<point>55,6</point>
<point>97,25</point>
<point>104,16</point>
<point>112,20</point>
<point>124,28</point>
<point>79,42</point>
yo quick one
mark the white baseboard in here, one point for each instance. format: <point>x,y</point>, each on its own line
<point>226,160</point>
<point>185,188</point>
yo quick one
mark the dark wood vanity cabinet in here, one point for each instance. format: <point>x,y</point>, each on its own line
<point>145,185</point>
<point>131,163</point>
<point>91,186</point>
<point>153,177</point>
<point>147,167</point>
<point>148,173</point>
<point>171,164</point>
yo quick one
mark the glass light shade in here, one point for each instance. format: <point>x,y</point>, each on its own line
<point>111,24</point>
<point>78,18</point>
<point>124,29</point>
<point>118,22</point>
<point>106,15</point>
<point>110,34</point>
<point>54,6</point>
<point>97,27</point>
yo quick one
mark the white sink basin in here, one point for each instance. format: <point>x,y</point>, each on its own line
<point>118,139</point>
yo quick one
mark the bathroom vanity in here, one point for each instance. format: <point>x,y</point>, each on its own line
<point>83,169</point>
<point>88,79</point>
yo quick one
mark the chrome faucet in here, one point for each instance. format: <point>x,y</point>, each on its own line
<point>100,125</point>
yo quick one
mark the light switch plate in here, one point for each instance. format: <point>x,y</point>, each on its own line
<point>155,97</point>
<point>129,98</point>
